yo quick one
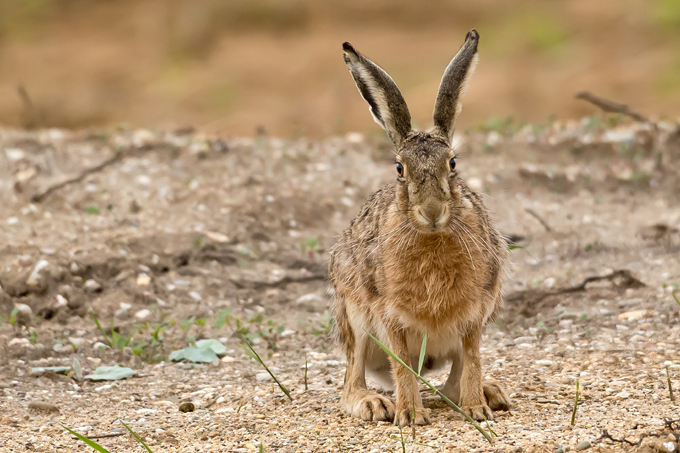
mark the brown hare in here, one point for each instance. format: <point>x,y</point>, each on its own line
<point>421,257</point>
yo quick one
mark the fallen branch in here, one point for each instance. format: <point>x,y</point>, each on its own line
<point>540,219</point>
<point>668,424</point>
<point>612,107</point>
<point>531,297</point>
<point>117,157</point>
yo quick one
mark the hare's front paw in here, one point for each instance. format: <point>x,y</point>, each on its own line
<point>369,406</point>
<point>406,417</point>
<point>496,396</point>
<point>479,412</point>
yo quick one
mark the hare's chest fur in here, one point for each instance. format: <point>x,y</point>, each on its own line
<point>435,286</point>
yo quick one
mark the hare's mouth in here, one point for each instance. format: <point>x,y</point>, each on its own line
<point>431,222</point>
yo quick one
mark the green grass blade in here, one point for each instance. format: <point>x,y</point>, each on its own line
<point>675,297</point>
<point>139,439</point>
<point>89,442</point>
<point>251,352</point>
<point>422,354</point>
<point>96,321</point>
<point>403,444</point>
<point>486,435</point>
<point>261,447</point>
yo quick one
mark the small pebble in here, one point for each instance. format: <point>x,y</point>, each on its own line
<point>187,407</point>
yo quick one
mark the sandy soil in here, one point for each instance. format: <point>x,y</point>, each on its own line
<point>184,225</point>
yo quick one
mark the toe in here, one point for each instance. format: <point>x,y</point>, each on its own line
<point>382,409</point>
<point>496,397</point>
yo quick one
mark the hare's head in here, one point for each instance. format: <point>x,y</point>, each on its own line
<point>428,190</point>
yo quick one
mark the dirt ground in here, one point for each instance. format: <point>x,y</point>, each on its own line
<point>181,227</point>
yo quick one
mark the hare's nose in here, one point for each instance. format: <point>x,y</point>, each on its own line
<point>432,212</point>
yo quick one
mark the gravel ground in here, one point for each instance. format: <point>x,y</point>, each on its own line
<point>182,225</point>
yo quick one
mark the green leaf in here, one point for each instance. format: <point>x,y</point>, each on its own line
<point>214,345</point>
<point>422,354</point>
<point>110,373</point>
<point>513,247</point>
<point>78,369</point>
<point>139,439</point>
<point>675,297</point>
<point>193,354</point>
<point>89,442</point>
<point>55,369</point>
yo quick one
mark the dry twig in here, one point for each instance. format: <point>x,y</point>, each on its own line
<point>117,157</point>
<point>612,107</point>
<point>535,215</point>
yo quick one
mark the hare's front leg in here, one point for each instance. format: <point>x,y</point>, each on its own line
<point>409,403</point>
<point>357,400</point>
<point>473,400</point>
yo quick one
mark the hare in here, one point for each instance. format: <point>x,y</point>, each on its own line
<point>421,257</point>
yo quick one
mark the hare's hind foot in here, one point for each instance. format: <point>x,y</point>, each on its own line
<point>495,396</point>
<point>368,406</point>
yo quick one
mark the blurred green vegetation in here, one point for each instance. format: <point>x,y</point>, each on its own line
<point>275,63</point>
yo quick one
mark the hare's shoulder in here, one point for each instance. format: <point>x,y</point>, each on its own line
<point>367,223</point>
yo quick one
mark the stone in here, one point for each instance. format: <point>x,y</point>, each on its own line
<point>33,279</point>
<point>187,407</point>
<point>583,445</point>
<point>92,286</point>
<point>77,342</point>
<point>143,314</point>
<point>632,315</point>
<point>42,406</point>
<point>20,343</point>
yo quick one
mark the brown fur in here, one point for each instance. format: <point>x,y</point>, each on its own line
<point>420,257</point>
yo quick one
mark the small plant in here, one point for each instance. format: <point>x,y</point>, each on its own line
<point>251,352</point>
<point>310,246</point>
<point>33,337</point>
<point>150,347</point>
<point>224,317</point>
<point>13,316</point>
<point>486,435</point>
<point>670,385</point>
<point>573,414</point>
<point>116,340</point>
<point>675,297</point>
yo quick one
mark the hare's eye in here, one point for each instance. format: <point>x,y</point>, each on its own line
<point>452,164</point>
<point>400,169</point>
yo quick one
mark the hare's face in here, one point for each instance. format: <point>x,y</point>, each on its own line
<point>426,190</point>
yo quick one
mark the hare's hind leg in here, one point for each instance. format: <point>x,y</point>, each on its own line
<point>357,400</point>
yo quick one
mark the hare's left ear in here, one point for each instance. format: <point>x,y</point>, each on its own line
<point>387,105</point>
<point>453,86</point>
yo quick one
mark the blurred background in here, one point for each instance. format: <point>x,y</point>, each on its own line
<point>241,66</point>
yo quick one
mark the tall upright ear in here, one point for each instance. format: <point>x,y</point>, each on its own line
<point>387,105</point>
<point>453,86</point>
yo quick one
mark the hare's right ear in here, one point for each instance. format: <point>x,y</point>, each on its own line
<point>387,105</point>
<point>453,86</point>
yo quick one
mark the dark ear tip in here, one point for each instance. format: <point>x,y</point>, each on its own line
<point>347,47</point>
<point>472,34</point>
